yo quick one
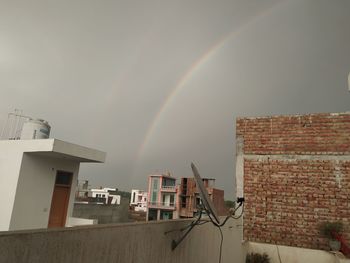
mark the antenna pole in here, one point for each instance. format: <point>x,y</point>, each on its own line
<point>3,129</point>
<point>17,122</point>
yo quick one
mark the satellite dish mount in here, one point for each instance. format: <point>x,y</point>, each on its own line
<point>207,207</point>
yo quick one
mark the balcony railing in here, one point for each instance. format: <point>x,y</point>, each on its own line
<point>166,188</point>
<point>162,205</point>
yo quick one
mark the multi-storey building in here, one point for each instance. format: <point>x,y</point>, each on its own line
<point>161,197</point>
<point>189,199</point>
<point>85,195</point>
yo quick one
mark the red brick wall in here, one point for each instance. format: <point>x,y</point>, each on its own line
<point>313,133</point>
<point>217,196</point>
<point>219,202</point>
<point>296,175</point>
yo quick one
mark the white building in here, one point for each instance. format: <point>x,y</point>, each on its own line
<point>106,194</point>
<point>38,180</point>
<point>138,200</point>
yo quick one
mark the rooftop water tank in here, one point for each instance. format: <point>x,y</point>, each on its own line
<point>35,129</point>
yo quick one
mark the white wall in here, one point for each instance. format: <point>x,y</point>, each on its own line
<point>74,221</point>
<point>10,162</point>
<point>115,200</point>
<point>288,254</point>
<point>35,188</point>
<point>134,192</point>
<point>31,176</point>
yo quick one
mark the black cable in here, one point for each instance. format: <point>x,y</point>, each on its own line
<point>223,223</point>
<point>202,223</point>
<point>237,217</point>
<point>221,234</point>
<point>221,242</point>
<point>231,215</point>
<point>217,224</point>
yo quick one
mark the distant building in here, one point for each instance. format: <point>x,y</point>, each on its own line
<point>104,196</point>
<point>85,195</point>
<point>161,197</point>
<point>38,179</point>
<point>138,200</point>
<point>189,199</point>
<point>82,191</point>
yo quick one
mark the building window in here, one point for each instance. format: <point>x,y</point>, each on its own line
<point>183,201</point>
<point>63,178</point>
<point>164,215</point>
<point>154,190</point>
<point>152,214</point>
<point>198,201</point>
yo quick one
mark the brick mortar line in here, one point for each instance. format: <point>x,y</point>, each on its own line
<point>297,157</point>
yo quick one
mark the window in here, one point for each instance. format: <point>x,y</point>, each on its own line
<point>198,201</point>
<point>183,201</point>
<point>154,190</point>
<point>152,214</point>
<point>63,178</point>
<point>168,182</point>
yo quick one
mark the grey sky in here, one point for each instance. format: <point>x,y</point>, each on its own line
<point>101,71</point>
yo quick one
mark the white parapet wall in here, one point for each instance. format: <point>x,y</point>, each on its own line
<point>75,221</point>
<point>286,254</point>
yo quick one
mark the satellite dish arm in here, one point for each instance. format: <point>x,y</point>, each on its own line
<point>175,243</point>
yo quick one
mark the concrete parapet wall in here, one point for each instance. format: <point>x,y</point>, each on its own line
<point>131,242</point>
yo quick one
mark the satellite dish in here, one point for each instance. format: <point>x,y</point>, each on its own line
<point>208,204</point>
<point>209,208</point>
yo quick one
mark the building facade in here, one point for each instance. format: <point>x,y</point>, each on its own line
<point>138,200</point>
<point>82,192</point>
<point>161,197</point>
<point>104,195</point>
<point>189,198</point>
<point>39,180</point>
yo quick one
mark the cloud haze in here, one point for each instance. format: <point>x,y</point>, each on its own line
<point>158,84</point>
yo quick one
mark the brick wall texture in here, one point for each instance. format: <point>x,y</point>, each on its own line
<point>296,176</point>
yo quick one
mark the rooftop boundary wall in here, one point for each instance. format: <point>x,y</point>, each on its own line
<point>129,242</point>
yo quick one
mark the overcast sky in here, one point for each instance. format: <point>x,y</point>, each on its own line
<point>158,84</point>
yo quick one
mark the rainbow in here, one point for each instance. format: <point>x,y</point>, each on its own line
<point>192,70</point>
<point>195,67</point>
